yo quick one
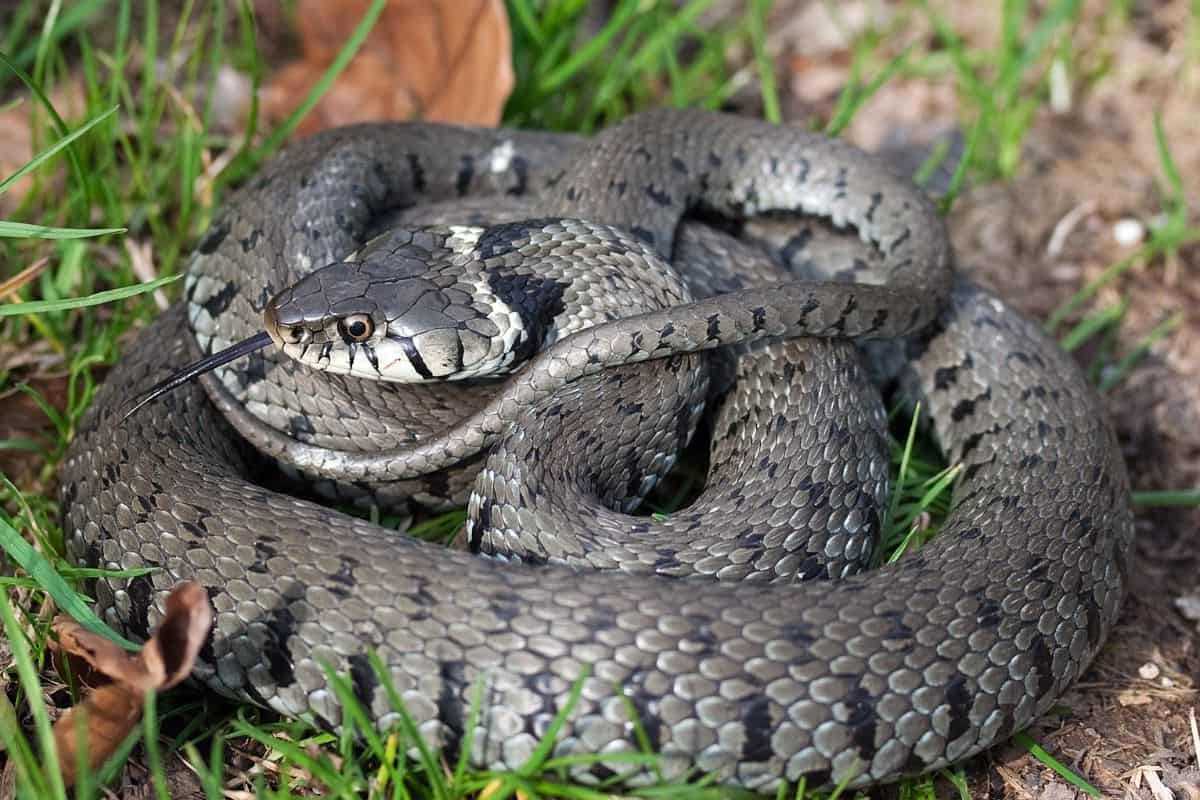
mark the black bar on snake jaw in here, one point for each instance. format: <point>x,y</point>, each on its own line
<point>196,368</point>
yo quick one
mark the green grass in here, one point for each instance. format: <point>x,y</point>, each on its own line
<point>566,81</point>
<point>135,171</point>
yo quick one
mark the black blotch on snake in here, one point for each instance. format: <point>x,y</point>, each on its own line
<point>363,679</point>
<point>141,594</point>
<point>538,300</point>
<point>212,239</point>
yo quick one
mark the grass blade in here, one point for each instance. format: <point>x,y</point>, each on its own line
<point>319,768</point>
<point>19,753</point>
<point>959,781</point>
<point>27,674</point>
<point>762,61</point>
<point>348,51</point>
<point>959,177</point>
<point>42,571</point>
<point>1169,498</point>
<point>99,298</point>
<point>63,131</point>
<point>408,727</point>
<point>853,97</point>
<point>53,149</point>
<point>468,740</point>
<point>25,230</point>
<point>1110,274</point>
<point>593,49</point>
<point>158,775</point>
<point>1050,761</point>
<point>902,473</point>
<point>527,19</point>
<point>1170,168</point>
<point>546,744</point>
<point>1092,324</point>
<point>1113,375</point>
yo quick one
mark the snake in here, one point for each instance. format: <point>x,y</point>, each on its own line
<point>535,324</point>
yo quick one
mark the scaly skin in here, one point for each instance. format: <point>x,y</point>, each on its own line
<point>886,673</point>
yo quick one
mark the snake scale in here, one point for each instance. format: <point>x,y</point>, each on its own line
<point>730,661</point>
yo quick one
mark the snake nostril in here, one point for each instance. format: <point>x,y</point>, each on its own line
<point>290,334</point>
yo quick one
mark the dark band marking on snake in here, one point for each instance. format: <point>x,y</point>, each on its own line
<point>740,669</point>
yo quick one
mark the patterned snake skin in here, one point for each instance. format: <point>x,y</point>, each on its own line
<point>741,669</point>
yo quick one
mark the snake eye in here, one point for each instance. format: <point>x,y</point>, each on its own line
<point>356,328</point>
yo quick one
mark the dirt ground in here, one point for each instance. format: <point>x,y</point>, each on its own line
<point>1090,171</point>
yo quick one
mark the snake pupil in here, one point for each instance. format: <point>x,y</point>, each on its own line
<point>356,329</point>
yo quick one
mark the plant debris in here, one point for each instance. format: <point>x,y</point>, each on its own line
<point>119,680</point>
<point>439,60</point>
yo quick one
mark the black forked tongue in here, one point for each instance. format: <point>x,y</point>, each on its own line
<point>181,376</point>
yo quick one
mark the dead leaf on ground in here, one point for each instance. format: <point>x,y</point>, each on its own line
<point>439,60</point>
<point>120,679</point>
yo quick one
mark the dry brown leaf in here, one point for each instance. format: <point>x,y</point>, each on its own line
<point>110,711</point>
<point>101,723</point>
<point>96,660</point>
<point>439,60</point>
<point>172,650</point>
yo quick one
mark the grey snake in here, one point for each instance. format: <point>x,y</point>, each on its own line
<point>481,252</point>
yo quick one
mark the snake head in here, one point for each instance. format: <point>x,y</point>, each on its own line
<point>410,306</point>
<point>401,309</point>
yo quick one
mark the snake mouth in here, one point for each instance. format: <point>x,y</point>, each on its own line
<point>207,364</point>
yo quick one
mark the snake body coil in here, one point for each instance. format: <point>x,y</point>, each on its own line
<point>739,670</point>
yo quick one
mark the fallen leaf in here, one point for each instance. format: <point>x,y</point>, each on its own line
<point>439,60</point>
<point>100,724</point>
<point>172,650</point>
<point>120,679</point>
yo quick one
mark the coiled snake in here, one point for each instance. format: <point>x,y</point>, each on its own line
<point>741,669</point>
